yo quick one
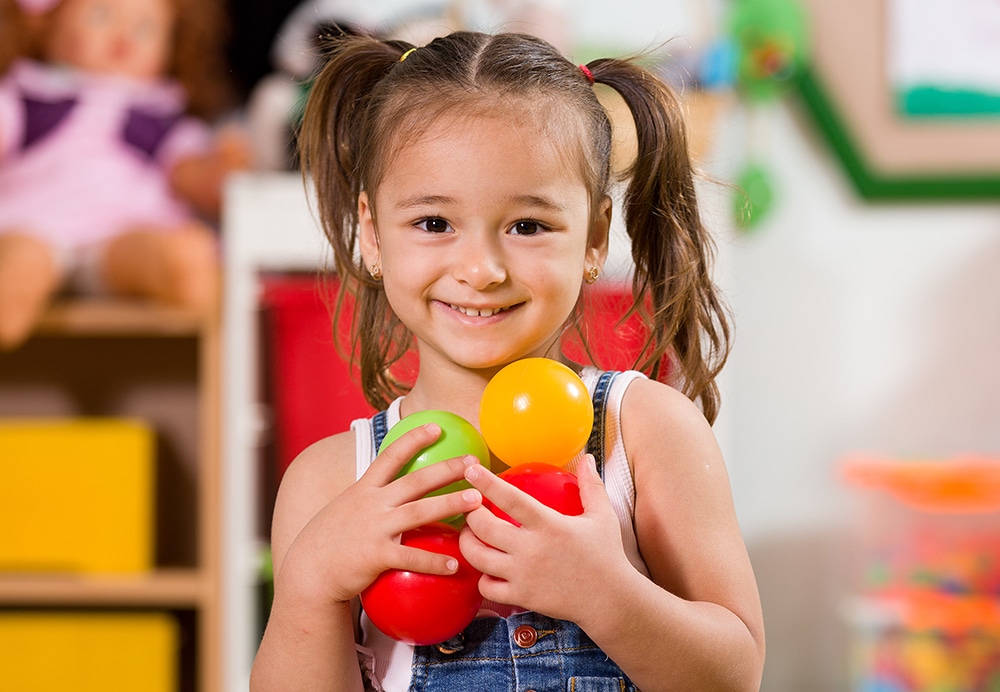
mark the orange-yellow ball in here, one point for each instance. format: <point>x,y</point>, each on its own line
<point>536,410</point>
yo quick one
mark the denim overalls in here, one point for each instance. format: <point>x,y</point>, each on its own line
<point>525,652</point>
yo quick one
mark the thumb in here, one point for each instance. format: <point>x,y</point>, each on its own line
<point>592,492</point>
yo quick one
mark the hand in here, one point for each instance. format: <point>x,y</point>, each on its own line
<point>201,179</point>
<point>355,537</point>
<point>551,561</point>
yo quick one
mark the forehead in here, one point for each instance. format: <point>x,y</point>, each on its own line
<point>539,127</point>
<point>486,154</point>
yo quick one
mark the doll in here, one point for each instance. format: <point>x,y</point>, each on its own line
<point>110,177</point>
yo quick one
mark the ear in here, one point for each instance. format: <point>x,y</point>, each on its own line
<point>367,234</point>
<point>600,230</point>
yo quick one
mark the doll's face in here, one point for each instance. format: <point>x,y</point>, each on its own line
<point>130,38</point>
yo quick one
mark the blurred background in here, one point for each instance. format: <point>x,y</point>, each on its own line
<point>853,184</point>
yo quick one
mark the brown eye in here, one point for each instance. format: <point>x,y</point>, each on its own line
<point>434,225</point>
<point>526,228</point>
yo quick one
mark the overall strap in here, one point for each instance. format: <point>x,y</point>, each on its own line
<point>380,426</point>
<point>595,445</point>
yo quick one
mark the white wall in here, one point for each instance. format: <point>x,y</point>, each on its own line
<point>858,326</point>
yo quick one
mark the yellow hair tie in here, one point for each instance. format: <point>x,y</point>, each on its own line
<point>405,55</point>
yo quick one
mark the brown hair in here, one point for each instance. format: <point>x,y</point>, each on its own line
<point>197,59</point>
<point>365,101</point>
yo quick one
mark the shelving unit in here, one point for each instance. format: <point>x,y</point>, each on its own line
<point>268,226</point>
<point>124,358</point>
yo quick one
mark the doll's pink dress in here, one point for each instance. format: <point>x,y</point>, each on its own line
<point>84,157</point>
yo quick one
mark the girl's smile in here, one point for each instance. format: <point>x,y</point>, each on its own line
<point>479,312</point>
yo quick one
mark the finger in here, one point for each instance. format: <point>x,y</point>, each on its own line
<point>517,504</point>
<point>417,560</point>
<point>593,494</point>
<point>435,508</point>
<point>480,554</point>
<point>427,479</point>
<point>393,458</point>
<point>498,590</point>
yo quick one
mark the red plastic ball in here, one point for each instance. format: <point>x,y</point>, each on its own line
<point>552,486</point>
<point>422,609</point>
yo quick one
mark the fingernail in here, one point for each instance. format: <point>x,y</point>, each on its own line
<point>470,460</point>
<point>472,471</point>
<point>452,565</point>
<point>470,495</point>
<point>432,427</point>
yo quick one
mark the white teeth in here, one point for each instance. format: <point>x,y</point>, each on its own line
<point>476,312</point>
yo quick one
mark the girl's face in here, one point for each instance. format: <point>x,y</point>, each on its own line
<point>482,230</point>
<point>129,38</point>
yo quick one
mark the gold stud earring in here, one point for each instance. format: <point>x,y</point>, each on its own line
<point>593,275</point>
<point>375,271</point>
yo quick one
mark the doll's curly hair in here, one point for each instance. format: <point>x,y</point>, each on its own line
<point>197,60</point>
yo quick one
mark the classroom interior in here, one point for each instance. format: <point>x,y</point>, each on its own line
<point>858,239</point>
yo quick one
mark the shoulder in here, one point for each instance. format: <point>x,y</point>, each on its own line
<point>317,475</point>
<point>653,409</point>
<point>670,445</point>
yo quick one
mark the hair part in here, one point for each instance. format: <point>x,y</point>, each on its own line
<point>365,104</point>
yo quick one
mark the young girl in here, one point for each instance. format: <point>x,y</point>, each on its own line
<point>108,171</point>
<point>464,187</point>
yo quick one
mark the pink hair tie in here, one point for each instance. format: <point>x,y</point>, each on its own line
<point>37,6</point>
<point>587,73</point>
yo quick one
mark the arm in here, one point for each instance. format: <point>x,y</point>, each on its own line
<point>200,179</point>
<point>331,536</point>
<point>700,615</point>
<point>696,623</point>
<point>307,646</point>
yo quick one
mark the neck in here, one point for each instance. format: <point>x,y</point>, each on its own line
<point>458,391</point>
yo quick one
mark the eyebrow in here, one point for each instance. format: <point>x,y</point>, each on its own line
<point>424,201</point>
<point>536,201</point>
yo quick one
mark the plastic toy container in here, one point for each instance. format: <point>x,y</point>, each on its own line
<point>926,574</point>
<point>76,495</point>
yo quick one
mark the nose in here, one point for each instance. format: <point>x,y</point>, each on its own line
<point>479,262</point>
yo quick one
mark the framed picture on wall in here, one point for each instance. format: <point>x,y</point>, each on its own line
<point>907,92</point>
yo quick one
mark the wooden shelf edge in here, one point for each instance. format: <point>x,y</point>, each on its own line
<point>119,317</point>
<point>181,588</point>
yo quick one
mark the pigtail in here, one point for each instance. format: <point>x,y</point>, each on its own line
<point>672,287</point>
<point>331,141</point>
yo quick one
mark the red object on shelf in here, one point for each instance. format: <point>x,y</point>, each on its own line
<point>314,391</point>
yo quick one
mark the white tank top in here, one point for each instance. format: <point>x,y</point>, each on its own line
<point>387,662</point>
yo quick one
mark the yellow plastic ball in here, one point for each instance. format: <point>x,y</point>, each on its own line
<point>536,410</point>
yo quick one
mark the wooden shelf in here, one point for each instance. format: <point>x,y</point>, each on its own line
<point>181,588</point>
<point>111,317</point>
<point>93,357</point>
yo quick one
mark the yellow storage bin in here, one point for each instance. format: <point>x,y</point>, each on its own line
<point>76,495</point>
<point>88,652</point>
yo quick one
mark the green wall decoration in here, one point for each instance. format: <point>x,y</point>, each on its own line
<point>887,156</point>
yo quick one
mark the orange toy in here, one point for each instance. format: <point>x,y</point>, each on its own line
<point>536,410</point>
